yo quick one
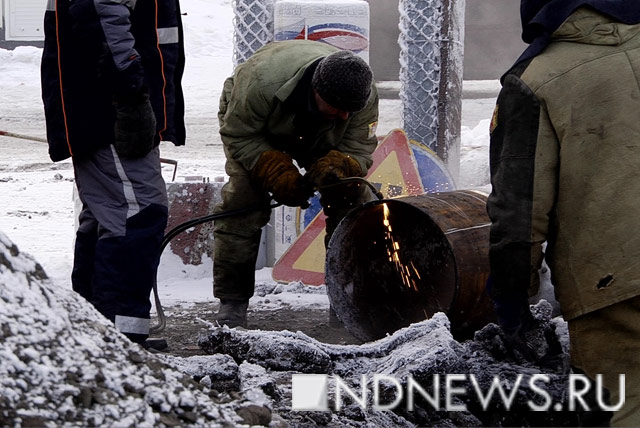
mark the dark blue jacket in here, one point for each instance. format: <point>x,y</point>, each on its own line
<point>97,49</point>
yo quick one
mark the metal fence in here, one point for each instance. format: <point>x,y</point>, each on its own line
<point>252,27</point>
<point>431,53</point>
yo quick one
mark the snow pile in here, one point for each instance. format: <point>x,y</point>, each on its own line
<point>420,351</point>
<point>474,157</point>
<point>270,295</point>
<point>14,63</point>
<point>63,363</point>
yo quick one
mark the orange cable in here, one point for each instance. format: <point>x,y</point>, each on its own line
<point>164,79</point>
<point>64,109</point>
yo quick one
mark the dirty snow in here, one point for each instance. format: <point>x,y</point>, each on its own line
<point>419,351</point>
<point>63,363</point>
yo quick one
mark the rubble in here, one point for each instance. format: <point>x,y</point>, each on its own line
<point>64,364</point>
<point>419,351</point>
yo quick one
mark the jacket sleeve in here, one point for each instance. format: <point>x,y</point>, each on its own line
<point>523,161</point>
<point>243,118</point>
<point>115,21</point>
<point>360,139</point>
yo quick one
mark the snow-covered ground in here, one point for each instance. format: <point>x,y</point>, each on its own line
<point>38,209</point>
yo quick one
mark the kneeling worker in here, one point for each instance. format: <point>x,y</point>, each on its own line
<point>292,100</point>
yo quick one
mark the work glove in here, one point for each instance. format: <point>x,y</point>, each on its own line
<point>275,173</point>
<point>515,319</point>
<point>332,167</point>
<point>135,125</point>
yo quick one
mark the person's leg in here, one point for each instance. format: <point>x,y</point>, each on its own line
<point>84,254</point>
<point>126,268</point>
<point>236,243</point>
<point>607,342</point>
<point>128,199</point>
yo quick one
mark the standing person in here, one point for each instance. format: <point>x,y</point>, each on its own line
<point>292,100</point>
<point>111,74</point>
<point>565,154</point>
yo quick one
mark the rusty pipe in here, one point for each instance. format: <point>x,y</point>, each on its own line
<point>394,262</point>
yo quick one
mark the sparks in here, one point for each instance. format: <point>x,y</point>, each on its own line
<point>393,251</point>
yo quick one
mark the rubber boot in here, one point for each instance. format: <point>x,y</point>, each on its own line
<point>232,313</point>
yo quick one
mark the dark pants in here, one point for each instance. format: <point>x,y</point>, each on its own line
<point>120,229</point>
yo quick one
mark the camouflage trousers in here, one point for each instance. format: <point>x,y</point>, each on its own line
<point>607,342</point>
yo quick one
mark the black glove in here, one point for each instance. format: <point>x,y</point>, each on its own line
<point>515,319</point>
<point>135,125</point>
<point>331,167</point>
<point>275,173</point>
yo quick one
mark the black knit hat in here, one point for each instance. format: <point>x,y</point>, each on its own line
<point>343,80</point>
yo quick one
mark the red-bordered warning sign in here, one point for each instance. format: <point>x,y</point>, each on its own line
<point>394,172</point>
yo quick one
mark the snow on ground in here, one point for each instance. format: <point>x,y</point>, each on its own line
<point>423,351</point>
<point>64,364</point>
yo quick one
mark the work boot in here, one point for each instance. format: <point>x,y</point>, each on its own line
<point>232,313</point>
<point>155,345</point>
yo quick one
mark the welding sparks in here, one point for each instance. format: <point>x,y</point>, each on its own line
<point>415,270</point>
<point>393,251</point>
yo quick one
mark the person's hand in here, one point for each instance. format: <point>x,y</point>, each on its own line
<point>332,167</point>
<point>515,319</point>
<point>289,189</point>
<point>135,125</point>
<point>275,173</point>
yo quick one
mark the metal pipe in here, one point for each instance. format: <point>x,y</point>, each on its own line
<point>44,140</point>
<point>398,261</point>
<point>22,136</point>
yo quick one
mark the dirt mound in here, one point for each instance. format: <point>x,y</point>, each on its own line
<point>63,363</point>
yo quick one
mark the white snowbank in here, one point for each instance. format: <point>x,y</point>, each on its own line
<point>64,363</point>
